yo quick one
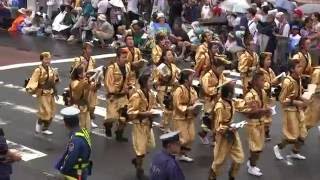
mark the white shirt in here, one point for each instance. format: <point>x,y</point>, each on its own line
<point>95,3</point>
<point>133,6</point>
<point>252,26</point>
<point>103,6</point>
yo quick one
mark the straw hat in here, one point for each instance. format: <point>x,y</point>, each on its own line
<point>102,17</point>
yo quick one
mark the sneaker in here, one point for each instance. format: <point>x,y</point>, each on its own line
<point>47,132</point>
<point>185,158</point>
<point>204,140</point>
<point>268,139</point>
<point>38,128</point>
<point>249,166</point>
<point>93,125</point>
<point>254,171</point>
<point>71,38</point>
<point>297,156</point>
<point>277,152</point>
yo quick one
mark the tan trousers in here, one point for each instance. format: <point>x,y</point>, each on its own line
<point>46,107</point>
<point>187,131</point>
<point>222,149</point>
<point>84,121</point>
<point>113,105</point>
<point>256,136</point>
<point>142,138</point>
<point>293,126</point>
<point>245,83</point>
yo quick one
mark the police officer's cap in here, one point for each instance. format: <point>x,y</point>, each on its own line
<point>70,115</point>
<point>170,137</point>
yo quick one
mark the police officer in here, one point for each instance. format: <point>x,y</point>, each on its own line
<point>7,157</point>
<point>164,164</point>
<point>75,163</point>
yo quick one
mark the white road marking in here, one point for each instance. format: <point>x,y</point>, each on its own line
<point>26,152</point>
<point>15,66</point>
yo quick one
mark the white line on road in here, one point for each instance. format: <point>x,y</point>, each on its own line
<point>26,152</point>
<point>19,65</point>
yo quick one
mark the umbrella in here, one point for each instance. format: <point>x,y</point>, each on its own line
<point>310,8</point>
<point>237,6</point>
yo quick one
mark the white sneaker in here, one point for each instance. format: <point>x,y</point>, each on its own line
<point>297,156</point>
<point>47,132</point>
<point>38,127</point>
<point>71,38</point>
<point>185,158</point>
<point>254,171</point>
<point>277,152</point>
<point>93,125</point>
<point>204,140</point>
<point>249,166</point>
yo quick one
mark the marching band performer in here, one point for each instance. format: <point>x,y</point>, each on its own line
<point>209,82</point>
<point>248,63</point>
<point>304,57</point>
<point>202,55</point>
<point>134,57</point>
<point>292,106</point>
<point>257,109</point>
<point>227,138</point>
<point>184,98</point>
<point>80,87</point>
<point>166,79</point>
<point>156,53</point>
<point>117,87</point>
<point>139,112</point>
<point>43,84</point>
<point>269,81</point>
<point>89,63</point>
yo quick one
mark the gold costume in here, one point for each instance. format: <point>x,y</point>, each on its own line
<point>293,126</point>
<point>92,94</point>
<point>156,54</point>
<point>142,133</point>
<point>247,62</point>
<point>164,86</point>
<point>269,81</point>
<point>116,84</point>
<point>306,62</point>
<point>315,77</point>
<point>133,57</point>
<point>42,84</point>
<point>183,120</point>
<point>202,60</point>
<point>227,142</point>
<point>80,96</point>
<point>255,126</point>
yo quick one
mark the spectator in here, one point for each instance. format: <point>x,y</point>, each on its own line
<point>160,25</point>
<point>133,11</point>
<point>82,27</point>
<point>21,15</point>
<point>103,30</point>
<point>267,29</point>
<point>307,30</point>
<point>175,10</point>
<point>5,15</point>
<point>191,11</point>
<point>33,25</point>
<point>138,33</point>
<point>294,39</point>
<point>116,13</point>
<point>316,21</point>
<point>103,6</point>
<point>297,18</point>
<point>252,24</point>
<point>206,12</point>
<point>59,30</point>
<point>282,24</point>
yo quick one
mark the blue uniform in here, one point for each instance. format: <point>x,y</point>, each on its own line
<point>165,167</point>
<point>76,156</point>
<point>5,167</point>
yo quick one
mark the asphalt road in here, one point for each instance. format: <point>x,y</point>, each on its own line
<point>111,159</point>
